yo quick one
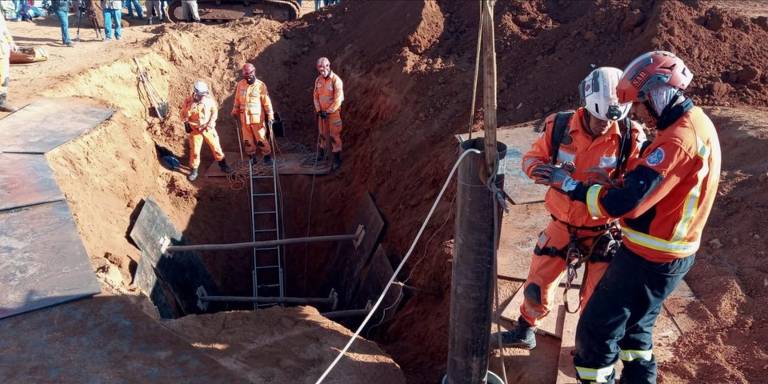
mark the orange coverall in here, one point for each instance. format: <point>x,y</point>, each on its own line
<point>254,108</point>
<point>328,96</point>
<point>201,117</point>
<point>585,152</point>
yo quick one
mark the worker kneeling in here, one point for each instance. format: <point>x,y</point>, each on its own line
<point>253,108</point>
<point>199,114</point>
<point>593,143</point>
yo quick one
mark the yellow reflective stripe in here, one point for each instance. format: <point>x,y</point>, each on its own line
<point>692,200</point>
<point>599,375</point>
<point>635,354</point>
<point>593,203</point>
<point>681,248</point>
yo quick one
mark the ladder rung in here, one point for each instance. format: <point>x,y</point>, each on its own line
<point>263,177</point>
<point>268,266</point>
<point>263,194</point>
<point>266,249</point>
<point>268,285</point>
<point>264,212</point>
<point>265,230</point>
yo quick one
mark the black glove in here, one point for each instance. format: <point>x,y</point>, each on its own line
<point>323,114</point>
<point>187,127</point>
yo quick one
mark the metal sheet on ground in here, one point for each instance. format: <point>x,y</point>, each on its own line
<point>517,185</point>
<point>42,259</point>
<point>47,123</point>
<point>354,260</point>
<point>26,180</point>
<point>171,281</point>
<point>372,281</point>
<point>566,373</point>
<point>287,164</point>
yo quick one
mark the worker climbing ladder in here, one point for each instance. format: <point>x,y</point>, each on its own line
<point>266,224</point>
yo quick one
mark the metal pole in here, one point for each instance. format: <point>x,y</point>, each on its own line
<point>472,276</point>
<point>265,299</point>
<point>261,244</point>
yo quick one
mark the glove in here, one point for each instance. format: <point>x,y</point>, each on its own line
<point>187,127</point>
<point>598,175</point>
<point>270,122</point>
<point>323,114</point>
<point>553,176</point>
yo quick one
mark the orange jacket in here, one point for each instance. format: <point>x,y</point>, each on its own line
<point>328,94</point>
<point>252,102</point>
<point>668,193</point>
<point>202,113</point>
<point>585,152</point>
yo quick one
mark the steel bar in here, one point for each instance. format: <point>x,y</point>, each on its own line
<point>262,244</point>
<point>346,313</point>
<point>265,299</point>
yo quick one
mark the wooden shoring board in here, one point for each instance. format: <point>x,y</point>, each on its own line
<point>373,280</point>
<point>287,164</point>
<point>566,373</point>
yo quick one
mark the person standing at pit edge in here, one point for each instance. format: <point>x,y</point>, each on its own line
<point>664,203</point>
<point>6,47</point>
<point>597,140</point>
<point>61,8</point>
<point>112,10</point>
<point>199,114</point>
<point>328,96</point>
<point>253,108</point>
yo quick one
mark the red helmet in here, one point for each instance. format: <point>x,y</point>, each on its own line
<point>248,69</point>
<point>650,69</point>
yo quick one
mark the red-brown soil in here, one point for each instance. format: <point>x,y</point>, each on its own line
<point>407,68</point>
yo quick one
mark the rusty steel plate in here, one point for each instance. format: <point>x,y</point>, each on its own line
<point>42,259</point>
<point>47,123</point>
<point>26,180</point>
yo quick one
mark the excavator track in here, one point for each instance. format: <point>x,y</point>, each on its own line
<point>219,11</point>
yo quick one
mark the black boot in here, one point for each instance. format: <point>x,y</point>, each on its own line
<point>225,167</point>
<point>522,336</point>
<point>4,106</point>
<point>192,175</point>
<point>267,160</point>
<point>320,155</point>
<point>254,160</point>
<point>336,161</point>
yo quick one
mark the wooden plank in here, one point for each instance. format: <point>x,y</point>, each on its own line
<point>287,164</point>
<point>549,324</point>
<point>47,123</point>
<point>26,180</point>
<point>42,259</point>
<point>566,373</point>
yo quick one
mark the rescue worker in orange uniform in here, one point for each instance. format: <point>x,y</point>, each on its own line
<point>663,202</point>
<point>6,47</point>
<point>199,114</point>
<point>253,108</point>
<point>328,96</point>
<point>597,139</point>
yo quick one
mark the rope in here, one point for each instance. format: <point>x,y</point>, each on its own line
<point>477,71</point>
<point>399,267</point>
<point>496,229</point>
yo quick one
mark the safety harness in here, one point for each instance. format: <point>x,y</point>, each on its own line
<point>605,244</point>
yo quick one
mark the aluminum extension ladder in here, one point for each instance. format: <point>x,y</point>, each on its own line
<point>266,224</point>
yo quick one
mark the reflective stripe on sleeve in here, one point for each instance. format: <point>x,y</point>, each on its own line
<point>599,375</point>
<point>635,354</point>
<point>593,203</point>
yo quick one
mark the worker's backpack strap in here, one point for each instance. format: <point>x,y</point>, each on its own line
<point>625,146</point>
<point>558,132</point>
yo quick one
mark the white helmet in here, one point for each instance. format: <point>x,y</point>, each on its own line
<point>598,94</point>
<point>201,88</point>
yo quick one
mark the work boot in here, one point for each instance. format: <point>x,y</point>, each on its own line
<point>336,161</point>
<point>320,155</point>
<point>267,160</point>
<point>522,336</point>
<point>192,175</point>
<point>225,167</point>
<point>4,106</point>
<point>254,160</point>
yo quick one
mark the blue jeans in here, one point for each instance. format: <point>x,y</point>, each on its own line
<point>111,15</point>
<point>130,5</point>
<point>318,4</point>
<point>64,21</point>
<point>619,318</point>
